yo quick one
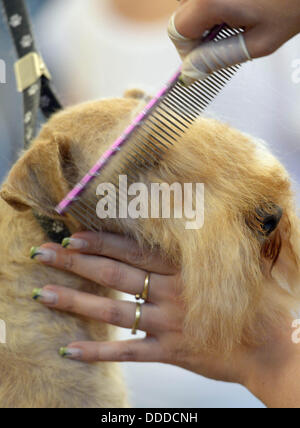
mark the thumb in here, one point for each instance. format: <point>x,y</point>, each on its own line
<point>212,56</point>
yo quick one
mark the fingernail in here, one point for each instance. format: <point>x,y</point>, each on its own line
<point>43,254</point>
<point>71,353</point>
<point>44,296</point>
<point>74,244</point>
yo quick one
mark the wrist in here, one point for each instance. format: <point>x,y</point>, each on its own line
<point>272,371</point>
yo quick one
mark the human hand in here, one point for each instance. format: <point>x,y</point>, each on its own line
<point>116,262</point>
<point>268,24</point>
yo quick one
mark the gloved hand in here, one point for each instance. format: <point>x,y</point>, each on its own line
<point>268,24</point>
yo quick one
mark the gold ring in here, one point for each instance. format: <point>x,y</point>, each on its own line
<point>137,317</point>
<point>145,292</point>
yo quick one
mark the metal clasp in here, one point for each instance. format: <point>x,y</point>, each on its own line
<point>29,69</point>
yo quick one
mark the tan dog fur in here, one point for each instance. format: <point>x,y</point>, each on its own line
<point>236,284</point>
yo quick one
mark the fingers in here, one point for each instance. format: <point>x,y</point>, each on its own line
<point>119,248</point>
<point>189,23</point>
<point>194,17</point>
<point>210,57</point>
<point>183,44</point>
<point>261,41</point>
<point>103,309</point>
<point>186,29</point>
<point>153,319</point>
<point>110,273</point>
<point>140,350</point>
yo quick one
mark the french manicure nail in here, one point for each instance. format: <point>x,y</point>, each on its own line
<point>71,353</point>
<point>43,254</point>
<point>44,296</point>
<point>74,244</point>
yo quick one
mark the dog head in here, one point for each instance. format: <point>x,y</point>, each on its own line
<point>240,268</point>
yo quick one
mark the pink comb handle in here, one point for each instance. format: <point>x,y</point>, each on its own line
<point>74,193</point>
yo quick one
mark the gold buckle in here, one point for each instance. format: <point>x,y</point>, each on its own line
<point>29,69</point>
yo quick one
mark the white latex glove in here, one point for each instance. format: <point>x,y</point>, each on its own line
<point>267,23</point>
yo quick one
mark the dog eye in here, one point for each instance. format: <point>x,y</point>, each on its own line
<point>269,222</point>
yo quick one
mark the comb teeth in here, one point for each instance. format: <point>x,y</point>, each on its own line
<point>152,133</point>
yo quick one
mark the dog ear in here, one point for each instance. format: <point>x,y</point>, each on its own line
<point>137,94</point>
<point>39,180</point>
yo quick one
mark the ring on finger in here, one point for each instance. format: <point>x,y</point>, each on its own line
<point>138,312</point>
<point>145,292</point>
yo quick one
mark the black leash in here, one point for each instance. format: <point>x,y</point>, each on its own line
<point>33,80</point>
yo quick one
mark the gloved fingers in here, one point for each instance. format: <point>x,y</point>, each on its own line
<point>183,44</point>
<point>210,57</point>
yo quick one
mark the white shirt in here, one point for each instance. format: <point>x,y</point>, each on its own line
<point>102,54</point>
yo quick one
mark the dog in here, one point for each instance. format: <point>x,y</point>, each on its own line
<point>240,270</point>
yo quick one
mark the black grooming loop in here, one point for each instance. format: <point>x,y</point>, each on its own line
<point>33,80</point>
